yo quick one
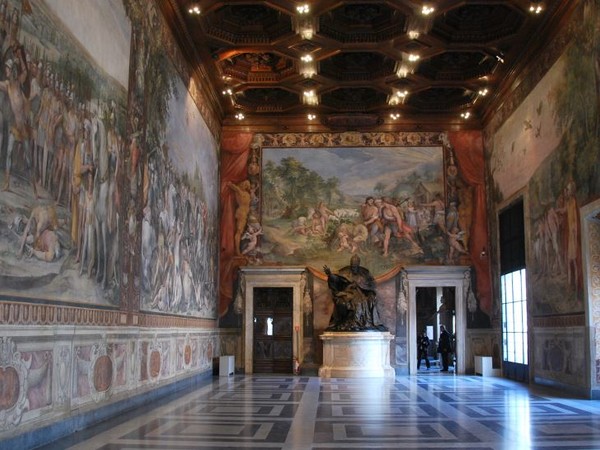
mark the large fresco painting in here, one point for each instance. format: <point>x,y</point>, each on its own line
<point>63,92</point>
<point>568,178</point>
<point>179,240</point>
<point>527,137</point>
<point>320,206</point>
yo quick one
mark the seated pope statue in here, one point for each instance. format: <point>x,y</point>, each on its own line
<point>354,299</point>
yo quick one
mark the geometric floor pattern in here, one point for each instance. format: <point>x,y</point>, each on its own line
<point>426,411</point>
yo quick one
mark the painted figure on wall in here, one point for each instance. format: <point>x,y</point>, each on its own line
<point>242,198</point>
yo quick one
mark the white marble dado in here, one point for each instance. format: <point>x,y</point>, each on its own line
<point>362,354</point>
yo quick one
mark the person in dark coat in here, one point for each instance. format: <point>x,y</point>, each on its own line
<point>444,347</point>
<point>423,347</point>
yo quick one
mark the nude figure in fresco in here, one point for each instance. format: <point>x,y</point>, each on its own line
<point>243,199</point>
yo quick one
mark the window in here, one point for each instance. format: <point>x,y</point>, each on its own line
<point>513,291</point>
<point>514,317</point>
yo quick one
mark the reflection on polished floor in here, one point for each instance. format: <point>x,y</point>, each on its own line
<point>431,410</point>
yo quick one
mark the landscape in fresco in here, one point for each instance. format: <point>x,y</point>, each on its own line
<point>320,206</point>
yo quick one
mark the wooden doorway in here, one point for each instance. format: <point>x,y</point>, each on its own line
<point>272,330</point>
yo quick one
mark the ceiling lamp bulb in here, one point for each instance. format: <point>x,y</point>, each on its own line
<point>311,116</point>
<point>395,116</point>
<point>239,116</point>
<point>303,9</point>
<point>413,57</point>
<point>536,7</point>
<point>307,58</point>
<point>402,94</point>
<point>427,10</point>
<point>194,9</point>
<point>465,115</point>
<point>413,34</point>
<point>483,92</point>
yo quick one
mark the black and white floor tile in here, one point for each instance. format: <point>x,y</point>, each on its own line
<point>428,411</point>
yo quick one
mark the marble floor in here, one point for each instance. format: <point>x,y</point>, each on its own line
<point>431,410</point>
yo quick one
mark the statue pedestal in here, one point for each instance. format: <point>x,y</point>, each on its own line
<point>364,354</point>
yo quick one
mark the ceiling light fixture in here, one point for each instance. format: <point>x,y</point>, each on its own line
<point>413,57</point>
<point>395,116</point>
<point>413,34</point>
<point>303,9</point>
<point>402,94</point>
<point>307,33</point>
<point>311,116</point>
<point>500,58</point>
<point>306,58</point>
<point>465,115</point>
<point>536,7</point>
<point>227,92</point>
<point>310,98</point>
<point>426,10</point>
<point>483,92</point>
<point>194,9</point>
<point>239,116</point>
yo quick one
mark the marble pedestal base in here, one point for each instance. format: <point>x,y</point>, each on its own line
<point>356,354</point>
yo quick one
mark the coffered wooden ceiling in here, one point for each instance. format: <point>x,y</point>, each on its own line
<point>470,55</point>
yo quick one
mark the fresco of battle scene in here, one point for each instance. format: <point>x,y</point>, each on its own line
<point>323,205</point>
<point>63,91</point>
<point>179,245</point>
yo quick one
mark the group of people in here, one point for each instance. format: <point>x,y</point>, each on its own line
<point>444,348</point>
<point>66,143</point>
<point>384,220</point>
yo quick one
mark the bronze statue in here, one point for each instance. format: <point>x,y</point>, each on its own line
<point>355,299</point>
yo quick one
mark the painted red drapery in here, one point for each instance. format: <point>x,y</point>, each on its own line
<point>468,149</point>
<point>235,149</point>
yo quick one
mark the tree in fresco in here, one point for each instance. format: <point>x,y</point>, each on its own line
<point>330,188</point>
<point>577,105</point>
<point>379,189</point>
<point>300,187</point>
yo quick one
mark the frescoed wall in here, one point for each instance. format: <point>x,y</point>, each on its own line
<point>62,131</point>
<point>546,151</point>
<point>108,214</point>
<point>303,199</point>
<point>180,202</point>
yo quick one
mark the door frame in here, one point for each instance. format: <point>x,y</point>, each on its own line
<point>590,228</point>
<point>252,277</point>
<point>430,276</point>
